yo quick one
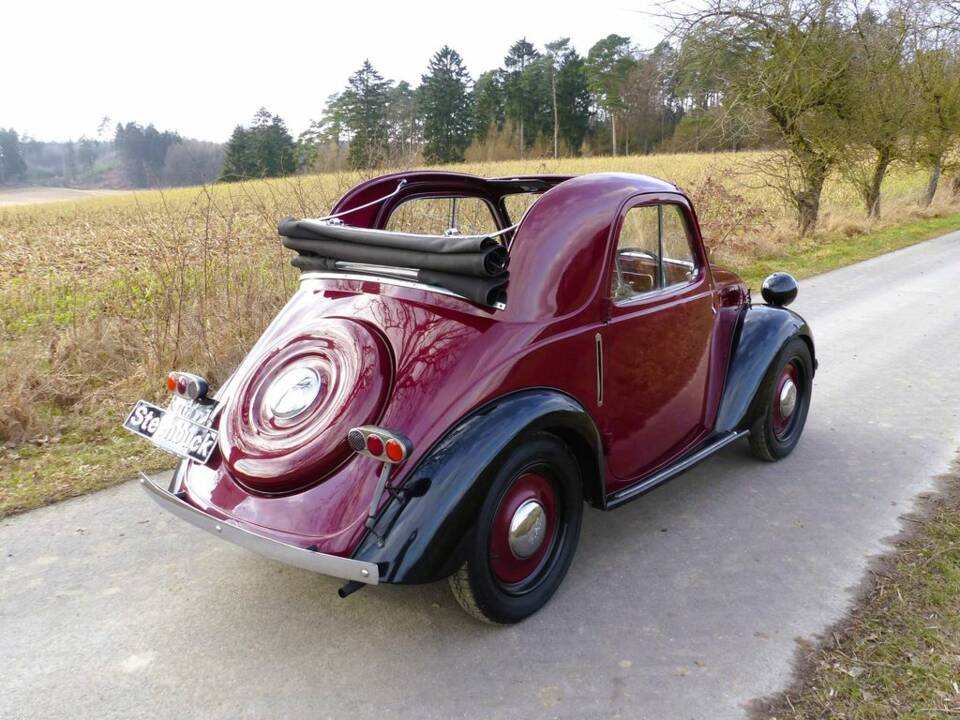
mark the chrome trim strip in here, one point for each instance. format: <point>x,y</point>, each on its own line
<point>673,470</point>
<point>401,273</point>
<point>333,565</point>
<point>320,274</point>
<point>364,277</point>
<point>599,341</point>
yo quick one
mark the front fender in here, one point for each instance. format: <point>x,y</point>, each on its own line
<point>762,330</point>
<point>423,537</point>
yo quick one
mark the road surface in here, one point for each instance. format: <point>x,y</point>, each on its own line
<point>685,604</point>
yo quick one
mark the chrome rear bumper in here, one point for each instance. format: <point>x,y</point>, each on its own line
<point>333,565</point>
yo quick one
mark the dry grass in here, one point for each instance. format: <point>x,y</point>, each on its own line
<point>99,298</point>
<point>898,654</point>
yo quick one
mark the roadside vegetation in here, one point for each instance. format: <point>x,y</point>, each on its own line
<point>898,654</point>
<point>100,298</point>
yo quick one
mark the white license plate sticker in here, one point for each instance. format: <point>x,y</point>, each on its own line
<point>179,429</point>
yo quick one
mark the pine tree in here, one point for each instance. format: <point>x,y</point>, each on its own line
<point>12,166</point>
<point>87,153</point>
<point>272,145</point>
<point>238,162</point>
<point>489,103</point>
<point>446,107</point>
<point>519,89</point>
<point>365,101</point>
<point>570,96</point>
<point>608,64</point>
<point>265,149</point>
<point>573,100</point>
<point>404,124</point>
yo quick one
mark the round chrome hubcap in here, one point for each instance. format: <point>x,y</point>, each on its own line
<point>788,398</point>
<point>528,528</point>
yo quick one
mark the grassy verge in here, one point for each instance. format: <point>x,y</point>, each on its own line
<point>823,253</point>
<point>47,471</point>
<point>898,654</point>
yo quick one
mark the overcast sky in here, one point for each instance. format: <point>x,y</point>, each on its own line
<point>202,67</point>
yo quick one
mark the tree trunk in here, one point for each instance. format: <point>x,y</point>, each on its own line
<point>613,132</point>
<point>933,182</point>
<point>807,200</point>
<point>955,186</point>
<point>556,120</point>
<point>522,143</point>
<point>871,193</point>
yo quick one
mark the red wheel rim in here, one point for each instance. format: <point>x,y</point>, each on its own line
<point>518,508</point>
<point>786,400</point>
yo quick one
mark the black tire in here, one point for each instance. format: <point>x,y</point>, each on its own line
<point>770,438</point>
<point>475,585</point>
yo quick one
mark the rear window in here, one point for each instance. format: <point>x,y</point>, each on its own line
<point>443,215</point>
<point>518,203</point>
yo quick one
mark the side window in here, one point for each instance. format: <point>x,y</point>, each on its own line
<point>439,215</point>
<point>653,251</point>
<point>638,252</point>
<point>678,261</point>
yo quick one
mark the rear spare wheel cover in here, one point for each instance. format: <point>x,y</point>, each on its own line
<point>285,426</point>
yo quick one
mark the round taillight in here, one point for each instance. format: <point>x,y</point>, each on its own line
<point>395,450</point>
<point>172,382</point>
<point>182,385</point>
<point>374,445</point>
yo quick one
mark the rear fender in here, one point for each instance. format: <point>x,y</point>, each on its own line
<point>762,331</point>
<point>424,537</point>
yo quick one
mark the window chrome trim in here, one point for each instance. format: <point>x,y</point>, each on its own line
<point>660,292</point>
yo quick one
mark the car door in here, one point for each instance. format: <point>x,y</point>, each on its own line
<point>656,341</point>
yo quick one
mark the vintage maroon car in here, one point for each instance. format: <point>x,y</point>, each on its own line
<point>465,363</point>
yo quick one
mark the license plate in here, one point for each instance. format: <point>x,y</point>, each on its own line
<point>179,429</point>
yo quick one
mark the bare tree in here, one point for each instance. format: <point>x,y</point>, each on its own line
<point>934,74</point>
<point>881,102</point>
<point>790,61</point>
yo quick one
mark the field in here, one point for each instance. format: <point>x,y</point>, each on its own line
<point>99,298</point>
<point>35,194</point>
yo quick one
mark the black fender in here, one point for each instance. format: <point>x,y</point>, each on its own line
<point>421,534</point>
<point>761,332</point>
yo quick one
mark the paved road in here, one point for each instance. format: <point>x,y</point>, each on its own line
<point>685,604</point>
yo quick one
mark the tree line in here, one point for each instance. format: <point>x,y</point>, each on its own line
<point>130,155</point>
<point>832,87</point>
<point>617,99</point>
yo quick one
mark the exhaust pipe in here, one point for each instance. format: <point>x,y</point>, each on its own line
<point>350,588</point>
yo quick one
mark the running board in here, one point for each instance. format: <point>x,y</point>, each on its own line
<point>668,473</point>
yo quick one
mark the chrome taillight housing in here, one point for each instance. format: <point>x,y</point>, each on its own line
<point>188,385</point>
<point>379,444</point>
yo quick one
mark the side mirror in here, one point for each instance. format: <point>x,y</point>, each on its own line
<point>779,289</point>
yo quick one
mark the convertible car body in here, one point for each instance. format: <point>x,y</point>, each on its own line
<point>465,363</point>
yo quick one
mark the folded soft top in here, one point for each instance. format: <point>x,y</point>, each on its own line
<point>473,266</point>
<point>444,244</point>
